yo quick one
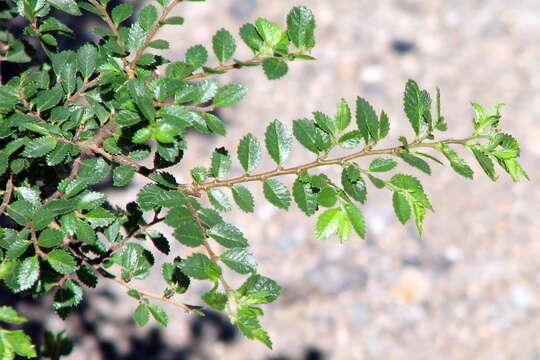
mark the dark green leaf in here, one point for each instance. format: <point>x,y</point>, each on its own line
<point>221,163</point>
<point>148,17</point>
<point>382,165</point>
<point>249,153</point>
<point>274,68</point>
<point>122,175</point>
<point>219,200</point>
<point>196,56</point>
<point>239,260</point>
<point>215,300</point>
<point>304,197</point>
<point>141,315</point>
<point>159,314</point>
<point>199,266</point>
<point>67,6</point>
<point>47,99</point>
<point>229,95</point>
<point>415,161</point>
<point>62,261</point>
<point>401,207</point>
<point>224,45</point>
<point>121,12</point>
<point>260,289</point>
<point>243,198</point>
<point>417,105</point>
<point>367,121</point>
<point>50,238</point>
<point>277,193</point>
<point>228,235</point>
<point>278,140</point>
<point>384,125</point>
<point>485,162</point>
<point>251,37</point>
<point>301,28</point>
<point>305,132</point>
<point>86,59</point>
<point>356,218</point>
<point>143,98</point>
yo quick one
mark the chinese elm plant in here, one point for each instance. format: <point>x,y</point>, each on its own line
<point>98,111</point>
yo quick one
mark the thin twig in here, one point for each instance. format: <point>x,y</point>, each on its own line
<point>7,195</point>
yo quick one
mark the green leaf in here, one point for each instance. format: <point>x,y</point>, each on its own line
<point>327,197</point>
<point>249,153</point>
<point>416,162</point>
<point>196,56</point>
<point>25,275</point>
<point>50,238</point>
<point>199,266</point>
<point>189,234</point>
<point>86,59</point>
<point>141,315</point>
<point>20,343</point>
<point>21,211</point>
<point>243,198</point>
<point>277,193</point>
<point>89,200</point>
<point>250,327</point>
<point>401,207</point>
<point>219,200</point>
<point>260,289</point>
<point>93,171</point>
<point>158,44</point>
<point>224,45</point>
<point>159,314</point>
<point>215,124</point>
<point>62,261</point>
<point>251,37</point>
<point>301,28</point>
<point>215,300</point>
<point>121,12</point>
<point>148,16</point>
<point>84,233</point>
<point>356,218</point>
<point>10,315</point>
<point>228,235</point>
<point>485,162</point>
<point>384,125</point>
<point>122,175</point>
<point>239,260</point>
<point>274,68</point>
<point>270,32</point>
<point>367,121</point>
<point>174,20</point>
<point>221,163</point>
<point>278,140</point>
<point>457,163</point>
<point>305,132</point>
<point>413,187</point>
<point>350,140</point>
<point>343,116</point>
<point>143,98</point>
<point>199,174</point>
<point>418,211</point>
<point>304,197</point>
<point>47,99</point>
<point>417,105</point>
<point>354,186</point>
<point>324,122</point>
<point>100,217</point>
<point>229,95</point>
<point>328,223</point>
<point>152,196</point>
<point>67,6</point>
<point>382,164</point>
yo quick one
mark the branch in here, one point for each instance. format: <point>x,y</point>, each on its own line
<point>317,163</point>
<point>7,195</point>
<point>151,35</point>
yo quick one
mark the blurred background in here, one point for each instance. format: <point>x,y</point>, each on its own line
<point>468,289</point>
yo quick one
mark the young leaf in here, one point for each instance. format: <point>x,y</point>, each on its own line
<point>249,153</point>
<point>243,198</point>
<point>457,163</point>
<point>277,193</point>
<point>239,260</point>
<point>224,45</point>
<point>343,116</point>
<point>274,68</point>
<point>278,140</point>
<point>215,300</point>
<point>229,95</point>
<point>301,28</point>
<point>328,223</point>
<point>485,162</point>
<point>356,218</point>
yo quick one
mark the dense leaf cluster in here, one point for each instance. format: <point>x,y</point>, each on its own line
<point>98,112</point>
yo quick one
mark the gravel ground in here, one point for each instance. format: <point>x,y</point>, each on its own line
<point>470,288</point>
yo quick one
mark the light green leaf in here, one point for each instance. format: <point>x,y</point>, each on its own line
<point>328,223</point>
<point>457,163</point>
<point>356,218</point>
<point>343,116</point>
<point>243,198</point>
<point>121,12</point>
<point>20,343</point>
<point>159,314</point>
<point>277,193</point>
<point>224,45</point>
<point>239,260</point>
<point>100,217</point>
<point>10,315</point>
<point>215,300</point>
<point>229,95</point>
<point>62,261</point>
<point>384,125</point>
<point>249,153</point>
<point>401,207</point>
<point>350,140</point>
<point>228,235</point>
<point>485,162</point>
<point>270,32</point>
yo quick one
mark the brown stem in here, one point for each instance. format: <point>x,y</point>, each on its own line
<point>319,162</point>
<point>7,195</point>
<point>141,230</point>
